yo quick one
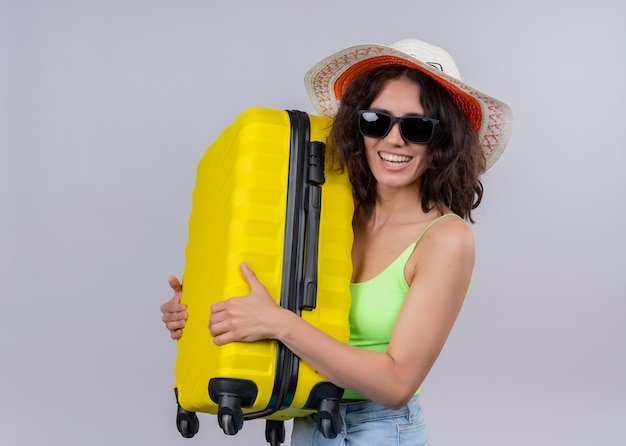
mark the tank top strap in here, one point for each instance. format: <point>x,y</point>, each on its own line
<point>435,221</point>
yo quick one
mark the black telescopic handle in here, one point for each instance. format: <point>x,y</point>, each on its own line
<point>314,207</point>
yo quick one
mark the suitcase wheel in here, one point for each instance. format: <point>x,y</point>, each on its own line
<point>187,423</point>
<point>327,429</point>
<point>329,420</point>
<point>230,395</point>
<point>227,423</point>
<point>229,414</point>
<point>275,432</point>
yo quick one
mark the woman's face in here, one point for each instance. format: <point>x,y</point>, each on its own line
<point>394,162</point>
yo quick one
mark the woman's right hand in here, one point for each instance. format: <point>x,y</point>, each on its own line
<point>174,313</point>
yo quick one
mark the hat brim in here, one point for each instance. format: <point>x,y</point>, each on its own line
<point>327,81</point>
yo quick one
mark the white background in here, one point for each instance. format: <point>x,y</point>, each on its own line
<point>107,106</point>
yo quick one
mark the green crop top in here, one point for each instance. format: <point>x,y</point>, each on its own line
<point>376,304</point>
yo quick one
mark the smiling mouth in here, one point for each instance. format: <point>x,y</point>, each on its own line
<point>394,159</point>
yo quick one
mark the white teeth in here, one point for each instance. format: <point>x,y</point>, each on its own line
<point>395,158</point>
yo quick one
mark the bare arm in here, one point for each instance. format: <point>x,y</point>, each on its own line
<point>424,323</point>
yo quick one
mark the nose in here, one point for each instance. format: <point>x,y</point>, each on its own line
<point>394,136</point>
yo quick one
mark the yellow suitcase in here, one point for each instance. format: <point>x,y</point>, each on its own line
<point>264,195</point>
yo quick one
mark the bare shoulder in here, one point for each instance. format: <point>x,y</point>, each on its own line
<point>449,233</point>
<point>449,243</point>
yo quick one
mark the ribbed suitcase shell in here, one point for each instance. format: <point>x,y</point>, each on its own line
<point>239,213</point>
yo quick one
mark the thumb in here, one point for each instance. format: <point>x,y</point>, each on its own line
<point>175,284</point>
<point>250,277</point>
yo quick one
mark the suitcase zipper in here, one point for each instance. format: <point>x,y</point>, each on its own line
<point>299,273</point>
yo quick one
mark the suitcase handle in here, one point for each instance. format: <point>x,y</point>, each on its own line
<point>315,163</point>
<point>309,300</point>
<point>314,204</point>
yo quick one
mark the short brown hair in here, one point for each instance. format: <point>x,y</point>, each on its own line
<point>454,157</point>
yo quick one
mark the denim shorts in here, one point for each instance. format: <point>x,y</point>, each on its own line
<point>367,424</point>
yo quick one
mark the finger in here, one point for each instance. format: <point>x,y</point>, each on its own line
<point>250,277</point>
<point>224,338</point>
<point>172,306</point>
<point>218,323</point>
<point>214,328</point>
<point>174,317</point>
<point>220,306</point>
<point>175,325</point>
<point>176,334</point>
<point>175,284</point>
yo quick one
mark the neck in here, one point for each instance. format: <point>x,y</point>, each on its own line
<point>396,206</point>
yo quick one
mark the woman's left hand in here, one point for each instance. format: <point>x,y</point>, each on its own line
<point>248,318</point>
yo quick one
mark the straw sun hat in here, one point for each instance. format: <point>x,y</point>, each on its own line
<point>328,80</point>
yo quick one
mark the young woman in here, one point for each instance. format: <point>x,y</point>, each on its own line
<point>414,140</point>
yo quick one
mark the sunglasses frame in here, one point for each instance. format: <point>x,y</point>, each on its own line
<point>399,120</point>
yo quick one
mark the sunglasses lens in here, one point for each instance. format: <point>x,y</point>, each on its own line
<point>417,130</point>
<point>373,124</point>
<point>414,129</point>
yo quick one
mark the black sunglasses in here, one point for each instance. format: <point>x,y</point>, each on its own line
<point>414,129</point>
